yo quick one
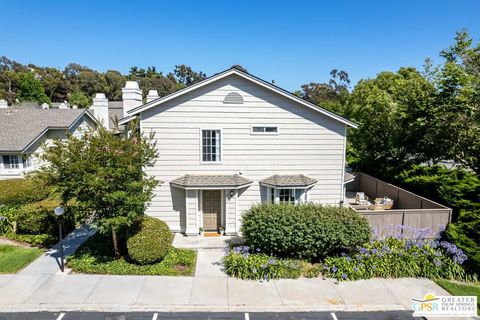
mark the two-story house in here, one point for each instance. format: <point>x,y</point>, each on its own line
<point>234,140</point>
<point>25,128</point>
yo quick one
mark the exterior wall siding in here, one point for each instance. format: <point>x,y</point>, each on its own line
<point>308,143</point>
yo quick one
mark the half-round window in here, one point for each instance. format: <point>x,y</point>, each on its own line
<point>233,98</point>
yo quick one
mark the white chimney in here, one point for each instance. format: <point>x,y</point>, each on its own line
<point>3,104</point>
<point>152,95</point>
<point>100,109</point>
<point>132,97</point>
<point>45,106</point>
<point>63,105</point>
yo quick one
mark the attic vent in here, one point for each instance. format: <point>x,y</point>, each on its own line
<point>233,97</point>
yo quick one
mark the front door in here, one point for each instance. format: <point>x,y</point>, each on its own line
<point>211,209</point>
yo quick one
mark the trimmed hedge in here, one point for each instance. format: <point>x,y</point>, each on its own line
<point>305,231</point>
<point>37,218</point>
<point>151,241</point>
<point>17,192</point>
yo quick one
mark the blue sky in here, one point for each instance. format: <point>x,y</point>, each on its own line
<point>292,42</point>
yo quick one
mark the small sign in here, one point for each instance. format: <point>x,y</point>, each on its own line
<point>445,306</point>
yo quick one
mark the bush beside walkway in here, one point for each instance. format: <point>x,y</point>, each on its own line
<point>95,256</point>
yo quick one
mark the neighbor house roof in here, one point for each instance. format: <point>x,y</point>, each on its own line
<point>233,181</point>
<point>244,75</point>
<point>289,180</point>
<point>19,127</point>
<point>115,112</point>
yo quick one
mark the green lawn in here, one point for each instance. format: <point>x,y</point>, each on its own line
<point>461,289</point>
<point>95,256</point>
<point>14,258</point>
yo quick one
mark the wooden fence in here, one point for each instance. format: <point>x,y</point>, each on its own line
<point>411,211</point>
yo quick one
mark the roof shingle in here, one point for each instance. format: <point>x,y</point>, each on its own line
<point>289,180</point>
<point>19,127</point>
<point>210,180</point>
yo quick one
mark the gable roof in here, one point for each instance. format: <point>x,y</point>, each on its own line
<point>246,76</point>
<point>19,128</point>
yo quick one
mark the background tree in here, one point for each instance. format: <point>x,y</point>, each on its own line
<point>29,88</point>
<point>332,95</point>
<point>103,173</point>
<point>186,76</point>
<point>456,114</point>
<point>79,99</point>
<point>392,111</point>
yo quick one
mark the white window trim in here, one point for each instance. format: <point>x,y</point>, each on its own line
<point>265,133</point>
<point>201,145</point>
<point>276,191</point>
<point>19,161</point>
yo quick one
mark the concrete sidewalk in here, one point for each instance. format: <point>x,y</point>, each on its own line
<point>149,293</point>
<point>41,287</point>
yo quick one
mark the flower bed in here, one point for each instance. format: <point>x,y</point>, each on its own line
<point>392,257</point>
<point>246,263</point>
<point>395,258</point>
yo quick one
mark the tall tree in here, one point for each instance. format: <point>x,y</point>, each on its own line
<point>29,88</point>
<point>332,95</point>
<point>392,111</point>
<point>456,116</point>
<point>186,76</point>
<point>103,173</point>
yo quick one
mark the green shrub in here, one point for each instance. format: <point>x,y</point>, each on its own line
<point>17,192</point>
<point>7,218</point>
<point>240,263</point>
<point>455,188</point>
<point>151,241</point>
<point>37,217</point>
<point>305,231</point>
<point>395,258</point>
<point>96,256</point>
<point>465,233</point>
<point>39,240</point>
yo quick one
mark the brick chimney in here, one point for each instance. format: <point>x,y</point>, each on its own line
<point>152,95</point>
<point>100,109</point>
<point>132,97</point>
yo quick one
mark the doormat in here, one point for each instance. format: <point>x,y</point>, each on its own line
<point>211,234</point>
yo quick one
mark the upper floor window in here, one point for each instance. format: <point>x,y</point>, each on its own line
<point>211,146</point>
<point>10,162</point>
<point>264,130</point>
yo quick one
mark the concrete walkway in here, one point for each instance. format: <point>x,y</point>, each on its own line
<point>41,287</point>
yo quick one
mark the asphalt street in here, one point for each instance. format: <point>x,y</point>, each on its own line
<point>385,315</point>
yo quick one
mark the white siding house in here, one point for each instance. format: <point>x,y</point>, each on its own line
<point>234,140</point>
<point>23,131</point>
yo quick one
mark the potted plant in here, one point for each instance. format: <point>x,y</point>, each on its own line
<point>221,230</point>
<point>201,230</point>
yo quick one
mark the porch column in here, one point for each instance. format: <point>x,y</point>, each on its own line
<point>191,212</point>
<point>230,212</point>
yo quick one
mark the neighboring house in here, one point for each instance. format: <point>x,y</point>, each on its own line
<point>24,128</point>
<point>234,140</point>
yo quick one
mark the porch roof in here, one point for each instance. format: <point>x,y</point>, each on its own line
<point>211,181</point>
<point>289,180</point>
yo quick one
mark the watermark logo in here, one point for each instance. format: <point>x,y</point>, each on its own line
<point>445,306</point>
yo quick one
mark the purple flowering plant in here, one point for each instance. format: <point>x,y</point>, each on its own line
<point>394,255</point>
